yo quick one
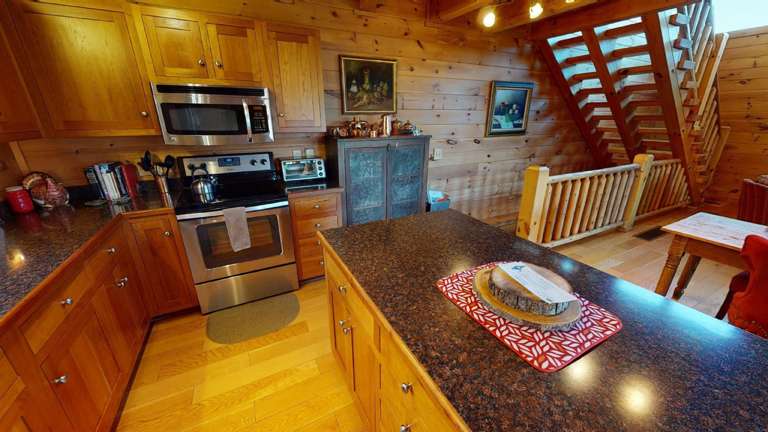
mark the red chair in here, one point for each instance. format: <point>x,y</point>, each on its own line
<point>753,202</point>
<point>747,300</point>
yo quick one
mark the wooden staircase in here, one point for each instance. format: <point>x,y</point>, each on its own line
<point>646,84</point>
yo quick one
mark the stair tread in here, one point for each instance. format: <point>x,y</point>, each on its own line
<point>630,51</point>
<point>570,61</point>
<point>569,42</point>
<point>626,30</point>
<point>634,70</point>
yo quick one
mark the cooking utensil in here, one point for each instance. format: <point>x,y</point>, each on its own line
<point>168,163</point>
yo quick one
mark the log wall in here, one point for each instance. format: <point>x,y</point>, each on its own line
<point>443,84</point>
<point>744,107</point>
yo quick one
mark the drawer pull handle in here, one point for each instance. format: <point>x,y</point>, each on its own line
<point>317,225</point>
<point>167,233</point>
<point>60,380</point>
<point>317,206</point>
<point>122,282</point>
<point>406,387</point>
<point>346,330</point>
<point>67,301</point>
<point>111,251</point>
<point>201,62</point>
<point>405,428</point>
<point>342,289</point>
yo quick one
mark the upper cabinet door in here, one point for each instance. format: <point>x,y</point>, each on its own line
<point>85,68</point>
<point>17,119</point>
<point>177,47</point>
<point>238,52</point>
<point>296,77</point>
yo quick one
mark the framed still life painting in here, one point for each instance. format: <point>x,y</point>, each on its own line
<point>508,108</point>
<point>368,86</point>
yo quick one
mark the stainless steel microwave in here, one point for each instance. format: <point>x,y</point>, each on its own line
<point>192,114</point>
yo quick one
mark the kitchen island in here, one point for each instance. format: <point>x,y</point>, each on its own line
<point>670,367</point>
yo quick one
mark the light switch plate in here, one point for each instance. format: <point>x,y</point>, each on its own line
<point>437,153</point>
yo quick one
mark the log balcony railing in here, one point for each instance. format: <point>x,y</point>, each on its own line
<point>560,209</point>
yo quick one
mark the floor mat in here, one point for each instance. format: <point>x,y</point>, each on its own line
<point>250,320</point>
<point>651,234</point>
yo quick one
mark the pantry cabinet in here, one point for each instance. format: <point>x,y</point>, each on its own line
<point>183,45</point>
<point>85,77</point>
<point>297,79</point>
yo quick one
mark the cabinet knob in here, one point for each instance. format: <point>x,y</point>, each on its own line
<point>405,428</point>
<point>342,289</point>
<point>406,387</point>
<point>60,380</point>
<point>341,323</point>
<point>111,251</point>
<point>219,64</point>
<point>346,330</point>
<point>317,225</point>
<point>201,62</point>
<point>322,263</point>
<point>281,114</point>
<point>67,301</point>
<point>317,206</point>
<point>144,114</point>
<point>167,233</point>
<point>318,242</point>
<point>122,282</point>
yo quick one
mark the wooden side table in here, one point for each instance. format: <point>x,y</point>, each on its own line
<point>704,235</point>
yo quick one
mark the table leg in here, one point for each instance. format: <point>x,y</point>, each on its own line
<point>685,277</point>
<point>675,253</point>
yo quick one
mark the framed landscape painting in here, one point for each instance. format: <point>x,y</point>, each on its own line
<point>508,108</point>
<point>368,86</point>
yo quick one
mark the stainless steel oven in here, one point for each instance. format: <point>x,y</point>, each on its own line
<point>193,114</point>
<point>224,277</point>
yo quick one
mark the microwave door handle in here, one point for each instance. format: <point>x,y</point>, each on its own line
<point>247,112</point>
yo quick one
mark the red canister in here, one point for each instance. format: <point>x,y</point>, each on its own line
<point>19,200</point>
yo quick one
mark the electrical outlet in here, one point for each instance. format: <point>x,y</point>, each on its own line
<point>309,152</point>
<point>437,153</point>
<point>296,154</point>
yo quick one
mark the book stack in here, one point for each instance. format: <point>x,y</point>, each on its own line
<point>113,181</point>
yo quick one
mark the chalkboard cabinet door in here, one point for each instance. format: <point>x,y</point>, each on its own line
<point>366,184</point>
<point>406,173</point>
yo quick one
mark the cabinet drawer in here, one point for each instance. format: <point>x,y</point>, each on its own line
<point>310,258</point>
<point>308,227</point>
<point>105,255</point>
<point>361,316</point>
<point>7,375</point>
<point>315,205</point>
<point>63,296</point>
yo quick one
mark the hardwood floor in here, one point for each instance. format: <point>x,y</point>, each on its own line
<point>641,261</point>
<point>286,380</point>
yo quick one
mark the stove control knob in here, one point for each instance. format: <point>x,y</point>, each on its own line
<point>263,161</point>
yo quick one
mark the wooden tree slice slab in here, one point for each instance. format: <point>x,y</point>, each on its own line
<point>562,321</point>
<point>513,294</point>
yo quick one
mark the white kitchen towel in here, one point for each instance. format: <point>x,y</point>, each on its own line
<point>237,228</point>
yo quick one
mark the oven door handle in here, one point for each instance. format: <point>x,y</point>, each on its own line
<point>205,215</point>
<point>247,112</point>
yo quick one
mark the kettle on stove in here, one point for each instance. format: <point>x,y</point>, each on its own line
<point>204,186</point>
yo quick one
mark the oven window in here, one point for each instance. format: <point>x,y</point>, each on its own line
<point>204,119</point>
<point>216,249</point>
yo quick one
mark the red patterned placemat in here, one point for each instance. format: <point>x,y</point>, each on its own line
<point>547,351</point>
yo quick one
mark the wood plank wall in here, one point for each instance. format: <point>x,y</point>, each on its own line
<point>443,84</point>
<point>744,107</point>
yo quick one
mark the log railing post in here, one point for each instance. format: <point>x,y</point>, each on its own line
<point>532,203</point>
<point>638,187</point>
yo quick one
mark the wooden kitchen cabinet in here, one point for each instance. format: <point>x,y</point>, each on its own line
<point>167,281</point>
<point>209,48</point>
<point>17,118</point>
<point>84,67</point>
<point>312,211</point>
<point>296,79</point>
<point>84,372</point>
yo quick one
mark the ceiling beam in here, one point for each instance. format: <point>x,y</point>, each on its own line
<point>447,10</point>
<point>518,13</point>
<point>598,14</point>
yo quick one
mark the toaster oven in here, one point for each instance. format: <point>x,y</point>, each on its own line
<point>302,169</point>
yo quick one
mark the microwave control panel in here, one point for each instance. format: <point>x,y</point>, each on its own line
<point>259,118</point>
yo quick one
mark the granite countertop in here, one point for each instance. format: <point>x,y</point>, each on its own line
<point>36,243</point>
<point>670,368</point>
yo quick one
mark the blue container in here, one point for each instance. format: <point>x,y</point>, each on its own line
<point>432,201</point>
